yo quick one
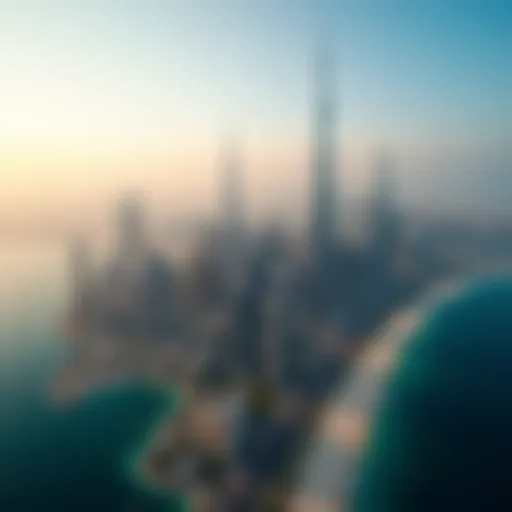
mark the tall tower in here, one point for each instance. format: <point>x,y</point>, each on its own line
<point>232,209</point>
<point>232,213</point>
<point>324,184</point>
<point>385,234</point>
<point>80,276</point>
<point>384,209</point>
<point>130,229</point>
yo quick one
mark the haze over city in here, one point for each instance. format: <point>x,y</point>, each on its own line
<point>97,99</point>
<point>255,255</point>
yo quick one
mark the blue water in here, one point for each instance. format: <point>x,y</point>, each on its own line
<point>74,458</point>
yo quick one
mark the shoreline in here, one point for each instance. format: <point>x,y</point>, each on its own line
<point>137,462</point>
<point>161,462</point>
<point>70,385</point>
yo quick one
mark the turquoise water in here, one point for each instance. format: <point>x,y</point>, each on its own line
<point>75,458</point>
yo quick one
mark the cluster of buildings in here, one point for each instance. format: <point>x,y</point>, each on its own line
<point>267,317</point>
<point>133,295</point>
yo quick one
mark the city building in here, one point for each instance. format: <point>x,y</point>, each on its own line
<point>324,208</point>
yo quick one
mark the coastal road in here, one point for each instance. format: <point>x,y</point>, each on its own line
<point>326,477</point>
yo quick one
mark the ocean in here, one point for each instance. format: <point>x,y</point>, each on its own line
<point>63,458</point>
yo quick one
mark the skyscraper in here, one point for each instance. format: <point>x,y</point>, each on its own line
<point>80,275</point>
<point>384,211</point>
<point>233,220</point>
<point>324,184</point>
<point>385,231</point>
<point>232,209</point>
<point>130,231</point>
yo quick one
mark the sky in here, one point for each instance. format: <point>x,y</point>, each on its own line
<point>102,96</point>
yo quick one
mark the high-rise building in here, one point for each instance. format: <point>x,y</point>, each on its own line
<point>157,300</point>
<point>328,271</point>
<point>130,231</point>
<point>324,214</point>
<point>384,211</point>
<point>233,218</point>
<point>232,209</point>
<point>384,229</point>
<point>80,275</point>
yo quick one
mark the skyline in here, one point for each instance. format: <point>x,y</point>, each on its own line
<point>99,98</point>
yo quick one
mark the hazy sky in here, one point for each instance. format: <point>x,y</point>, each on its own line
<point>99,95</point>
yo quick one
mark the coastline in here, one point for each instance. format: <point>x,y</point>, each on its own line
<point>161,461</point>
<point>140,452</point>
<point>137,464</point>
<point>72,383</point>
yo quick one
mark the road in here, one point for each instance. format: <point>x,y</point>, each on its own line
<point>326,478</point>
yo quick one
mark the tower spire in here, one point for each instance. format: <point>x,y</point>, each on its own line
<point>131,226</point>
<point>232,191</point>
<point>324,204</point>
<point>232,208</point>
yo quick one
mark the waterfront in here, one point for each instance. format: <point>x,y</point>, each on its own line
<point>329,467</point>
<point>76,456</point>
